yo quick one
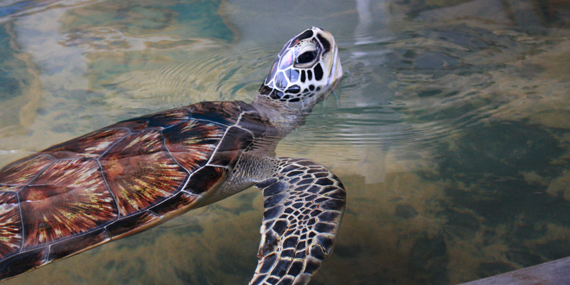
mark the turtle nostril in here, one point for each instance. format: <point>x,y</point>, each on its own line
<point>326,44</point>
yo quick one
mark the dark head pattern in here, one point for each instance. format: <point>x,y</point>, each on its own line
<point>305,71</point>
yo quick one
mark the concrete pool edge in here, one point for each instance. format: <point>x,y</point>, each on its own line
<point>552,272</point>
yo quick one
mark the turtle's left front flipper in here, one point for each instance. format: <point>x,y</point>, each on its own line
<point>304,204</point>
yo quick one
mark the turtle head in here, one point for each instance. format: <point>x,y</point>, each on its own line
<point>305,71</point>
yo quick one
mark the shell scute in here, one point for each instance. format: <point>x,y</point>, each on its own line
<point>140,172</point>
<point>205,179</point>
<point>134,125</point>
<point>235,141</point>
<point>192,143</point>
<point>67,199</point>
<point>77,244</point>
<point>131,224</point>
<point>253,122</point>
<point>17,174</point>
<point>90,145</point>
<point>10,224</point>
<point>225,113</point>
<point>168,119</point>
<point>174,203</point>
<point>160,120</point>
<point>23,262</point>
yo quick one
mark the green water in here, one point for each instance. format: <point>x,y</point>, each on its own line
<point>450,130</point>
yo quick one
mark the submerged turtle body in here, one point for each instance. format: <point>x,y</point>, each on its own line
<point>132,175</point>
<point>120,179</point>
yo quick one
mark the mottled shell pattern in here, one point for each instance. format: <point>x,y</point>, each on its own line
<point>118,180</point>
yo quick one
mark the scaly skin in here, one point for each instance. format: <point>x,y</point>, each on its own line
<point>304,203</point>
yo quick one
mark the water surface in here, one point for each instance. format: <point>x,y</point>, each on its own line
<point>450,130</point>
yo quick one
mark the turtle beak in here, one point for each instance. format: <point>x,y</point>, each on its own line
<point>333,64</point>
<point>336,71</point>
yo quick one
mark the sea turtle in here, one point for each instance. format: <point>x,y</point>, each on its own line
<point>135,174</point>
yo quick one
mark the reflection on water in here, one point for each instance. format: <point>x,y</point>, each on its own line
<point>450,129</point>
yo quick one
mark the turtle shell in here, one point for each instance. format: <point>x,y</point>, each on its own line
<point>117,181</point>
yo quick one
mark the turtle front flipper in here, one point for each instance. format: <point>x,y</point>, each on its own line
<point>304,204</point>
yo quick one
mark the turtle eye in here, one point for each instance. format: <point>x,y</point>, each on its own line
<point>307,57</point>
